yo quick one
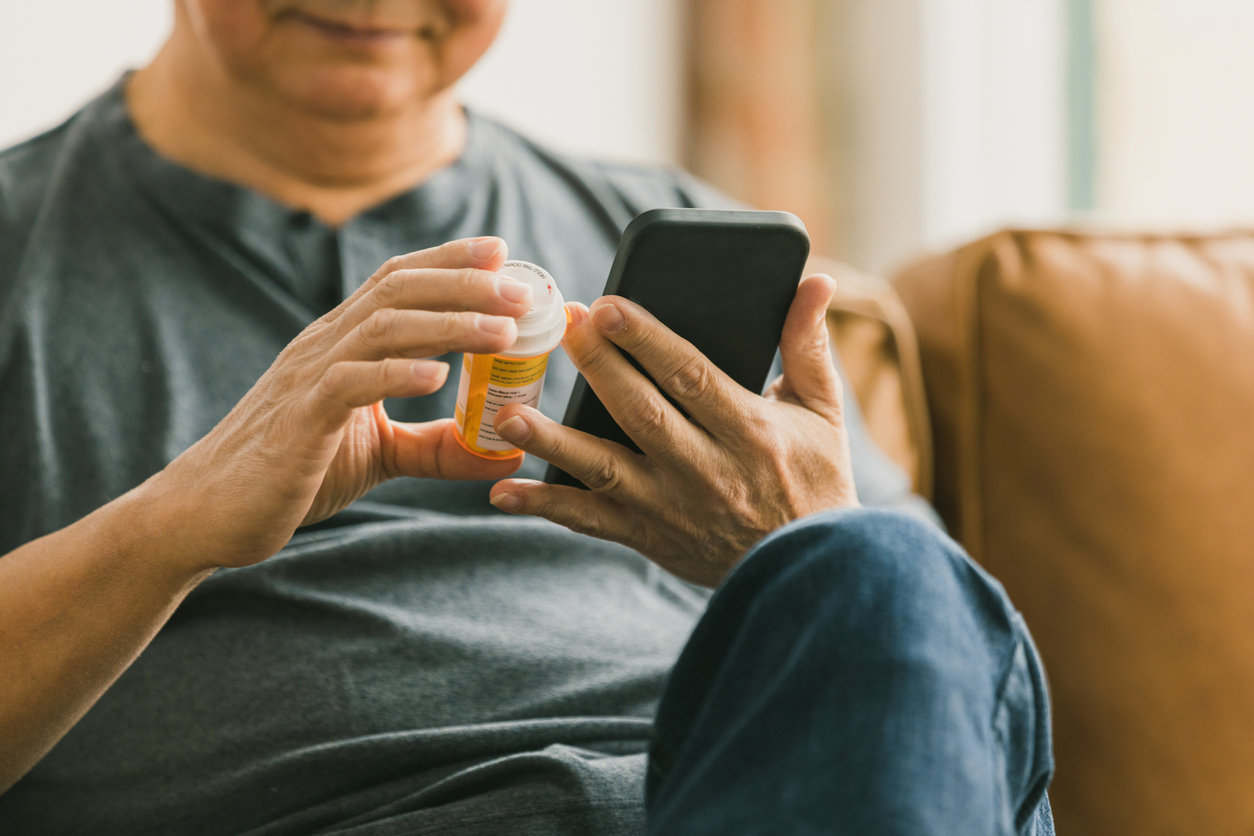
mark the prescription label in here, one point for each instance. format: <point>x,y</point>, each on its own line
<point>510,381</point>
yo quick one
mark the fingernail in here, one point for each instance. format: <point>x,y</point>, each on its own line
<point>608,318</point>
<point>495,325</point>
<point>506,501</point>
<point>484,248</point>
<point>514,429</point>
<point>428,370</point>
<point>512,290</point>
<point>577,314</point>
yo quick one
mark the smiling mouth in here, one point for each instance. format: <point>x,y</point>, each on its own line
<point>359,35</point>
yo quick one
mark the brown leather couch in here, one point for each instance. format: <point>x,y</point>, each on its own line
<point>1090,418</point>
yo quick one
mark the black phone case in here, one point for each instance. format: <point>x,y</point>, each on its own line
<point>721,279</point>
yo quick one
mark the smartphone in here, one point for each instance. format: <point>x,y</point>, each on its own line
<point>721,279</point>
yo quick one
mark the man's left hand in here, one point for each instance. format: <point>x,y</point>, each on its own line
<point>711,484</point>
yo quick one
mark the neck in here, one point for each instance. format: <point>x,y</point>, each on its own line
<point>333,168</point>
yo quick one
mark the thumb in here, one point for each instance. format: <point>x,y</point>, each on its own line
<point>810,376</point>
<point>431,451</point>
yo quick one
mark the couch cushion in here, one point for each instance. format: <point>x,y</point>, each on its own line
<point>1092,401</point>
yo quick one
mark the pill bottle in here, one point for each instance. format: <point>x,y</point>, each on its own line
<point>490,382</point>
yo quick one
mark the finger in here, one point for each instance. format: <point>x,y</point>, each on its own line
<point>583,512</point>
<point>396,333</point>
<point>810,375</point>
<point>345,386</point>
<point>438,289</point>
<point>704,392</point>
<point>430,451</point>
<point>652,422</point>
<point>604,466</point>
<point>486,253</point>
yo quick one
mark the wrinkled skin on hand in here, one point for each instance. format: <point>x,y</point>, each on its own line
<point>312,435</point>
<point>712,482</point>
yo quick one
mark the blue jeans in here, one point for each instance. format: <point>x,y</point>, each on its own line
<point>857,673</point>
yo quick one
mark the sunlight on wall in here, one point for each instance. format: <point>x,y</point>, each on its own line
<point>1175,113</point>
<point>953,117</point>
<point>600,78</point>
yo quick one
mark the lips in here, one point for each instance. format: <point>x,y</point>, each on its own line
<point>350,32</point>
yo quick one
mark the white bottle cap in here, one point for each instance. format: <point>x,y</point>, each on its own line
<point>542,328</point>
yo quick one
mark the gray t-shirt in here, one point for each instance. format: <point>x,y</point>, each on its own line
<point>418,664</point>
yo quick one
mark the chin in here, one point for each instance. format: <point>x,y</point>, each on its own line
<point>342,59</point>
<point>352,93</point>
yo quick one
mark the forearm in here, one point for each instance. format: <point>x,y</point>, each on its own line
<point>310,438</point>
<point>76,608</point>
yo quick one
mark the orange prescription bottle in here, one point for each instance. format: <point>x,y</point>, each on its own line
<point>490,382</point>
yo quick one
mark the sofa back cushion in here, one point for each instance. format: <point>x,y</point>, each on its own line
<point>1092,403</point>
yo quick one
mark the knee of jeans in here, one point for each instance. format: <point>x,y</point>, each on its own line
<point>880,574</point>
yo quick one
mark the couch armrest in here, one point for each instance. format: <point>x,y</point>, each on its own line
<point>872,333</point>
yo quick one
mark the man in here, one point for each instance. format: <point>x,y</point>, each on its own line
<point>222,611</point>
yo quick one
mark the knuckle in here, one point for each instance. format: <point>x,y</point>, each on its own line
<point>647,415</point>
<point>594,359</point>
<point>648,542</point>
<point>760,432</point>
<point>306,341</point>
<point>605,475</point>
<point>542,505</point>
<point>378,327</point>
<point>451,325</point>
<point>396,262</point>
<point>390,287</point>
<point>549,446</point>
<point>386,371</point>
<point>469,278</point>
<point>692,379</point>
<point>331,383</point>
<point>586,521</point>
<point>639,341</point>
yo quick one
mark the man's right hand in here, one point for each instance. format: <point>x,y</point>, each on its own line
<point>312,436</point>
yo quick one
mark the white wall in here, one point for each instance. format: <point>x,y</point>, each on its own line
<point>880,111</point>
<point>57,54</point>
<point>956,119</point>
<point>1175,101</point>
<point>995,116</point>
<point>600,77</point>
<point>957,122</point>
<point>593,76</point>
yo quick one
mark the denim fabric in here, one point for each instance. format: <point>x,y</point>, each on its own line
<point>857,673</point>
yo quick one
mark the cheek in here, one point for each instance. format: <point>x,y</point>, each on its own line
<point>475,26</point>
<point>473,10</point>
<point>232,29</point>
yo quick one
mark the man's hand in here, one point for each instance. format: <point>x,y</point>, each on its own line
<point>709,485</point>
<point>312,436</point>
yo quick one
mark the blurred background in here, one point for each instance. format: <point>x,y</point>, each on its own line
<point>891,126</point>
